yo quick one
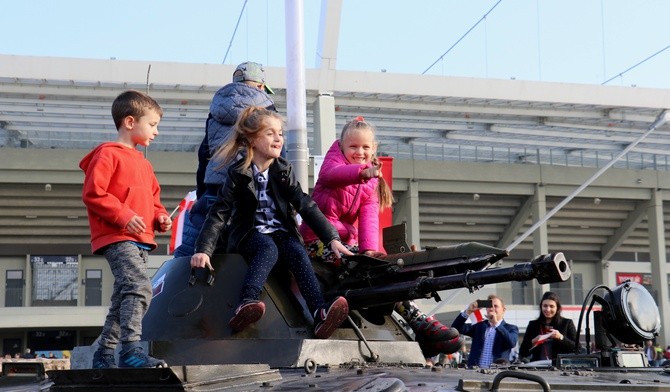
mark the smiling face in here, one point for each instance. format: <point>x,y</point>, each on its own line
<point>268,142</point>
<point>358,145</point>
<point>549,309</point>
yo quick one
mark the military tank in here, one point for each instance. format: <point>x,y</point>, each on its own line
<point>187,325</point>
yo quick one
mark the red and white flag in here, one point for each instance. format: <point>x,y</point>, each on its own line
<point>477,316</point>
<point>178,221</point>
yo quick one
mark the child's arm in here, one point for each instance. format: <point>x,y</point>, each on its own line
<point>137,225</point>
<point>163,222</point>
<point>336,172</point>
<point>216,220</point>
<point>98,200</point>
<point>311,214</point>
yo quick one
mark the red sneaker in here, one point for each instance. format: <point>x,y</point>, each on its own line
<point>246,314</point>
<point>429,328</point>
<point>432,348</point>
<point>329,317</point>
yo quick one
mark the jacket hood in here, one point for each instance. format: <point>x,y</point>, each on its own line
<point>86,160</point>
<point>233,98</point>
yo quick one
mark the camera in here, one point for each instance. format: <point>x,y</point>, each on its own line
<point>484,303</point>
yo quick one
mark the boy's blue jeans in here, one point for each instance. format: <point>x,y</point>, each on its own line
<point>131,295</point>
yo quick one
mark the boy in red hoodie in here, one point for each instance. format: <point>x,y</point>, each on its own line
<point>122,198</point>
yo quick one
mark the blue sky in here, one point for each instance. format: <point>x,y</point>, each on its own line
<point>575,41</point>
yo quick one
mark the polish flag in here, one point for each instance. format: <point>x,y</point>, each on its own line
<point>178,221</point>
<point>477,316</point>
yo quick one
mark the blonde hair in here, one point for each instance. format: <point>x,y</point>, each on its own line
<point>251,121</point>
<point>384,192</point>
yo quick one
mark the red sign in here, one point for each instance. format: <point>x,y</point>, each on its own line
<point>624,276</point>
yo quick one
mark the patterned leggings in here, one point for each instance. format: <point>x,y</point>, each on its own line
<point>263,251</point>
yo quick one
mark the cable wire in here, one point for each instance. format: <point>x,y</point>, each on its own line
<point>234,31</point>
<point>634,66</point>
<point>460,39</point>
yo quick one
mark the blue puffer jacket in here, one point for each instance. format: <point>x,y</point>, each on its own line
<point>226,106</point>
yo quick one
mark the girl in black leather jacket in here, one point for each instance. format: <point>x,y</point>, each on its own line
<point>258,203</point>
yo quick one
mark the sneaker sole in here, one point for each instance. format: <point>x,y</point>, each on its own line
<point>104,367</point>
<point>141,361</point>
<point>436,335</point>
<point>103,362</point>
<point>161,364</point>
<point>247,316</point>
<point>430,349</point>
<point>337,313</point>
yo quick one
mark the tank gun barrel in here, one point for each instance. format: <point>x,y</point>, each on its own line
<point>363,271</point>
<point>547,268</point>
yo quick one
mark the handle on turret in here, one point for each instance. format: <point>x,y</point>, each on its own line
<point>193,278</point>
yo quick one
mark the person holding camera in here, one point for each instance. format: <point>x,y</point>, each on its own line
<point>492,338</point>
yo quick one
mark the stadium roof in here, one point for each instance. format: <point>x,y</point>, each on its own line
<point>62,103</point>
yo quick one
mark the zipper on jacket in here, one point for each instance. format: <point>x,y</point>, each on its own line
<point>353,202</point>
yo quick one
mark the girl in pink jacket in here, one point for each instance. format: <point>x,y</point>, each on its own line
<point>350,192</point>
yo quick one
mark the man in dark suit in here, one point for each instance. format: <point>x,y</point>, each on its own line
<point>492,338</point>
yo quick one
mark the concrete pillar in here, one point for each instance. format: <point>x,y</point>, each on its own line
<point>296,96</point>
<point>407,210</point>
<point>28,285</point>
<point>659,267</point>
<point>540,241</point>
<point>325,129</point>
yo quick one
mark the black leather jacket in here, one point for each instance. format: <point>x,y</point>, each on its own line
<point>237,200</point>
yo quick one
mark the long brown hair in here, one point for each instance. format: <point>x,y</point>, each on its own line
<point>251,121</point>
<point>384,192</point>
<point>550,295</point>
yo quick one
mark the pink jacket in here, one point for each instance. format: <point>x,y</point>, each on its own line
<point>345,199</point>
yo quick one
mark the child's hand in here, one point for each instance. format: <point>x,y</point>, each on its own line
<point>339,249</point>
<point>374,171</point>
<point>164,223</point>
<point>201,260</point>
<point>136,225</point>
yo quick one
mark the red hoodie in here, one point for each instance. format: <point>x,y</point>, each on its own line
<point>120,183</point>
